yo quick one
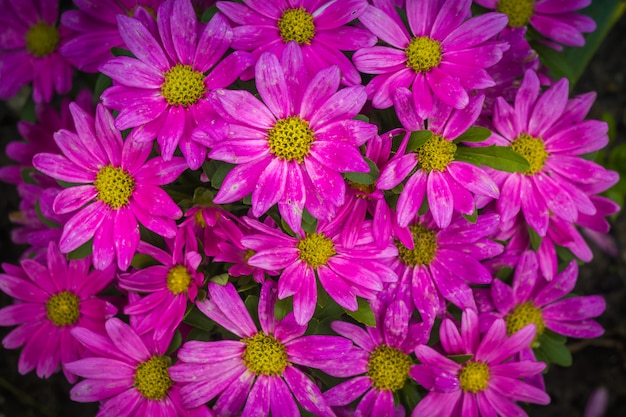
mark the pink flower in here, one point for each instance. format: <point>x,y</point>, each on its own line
<point>119,188</point>
<point>52,300</point>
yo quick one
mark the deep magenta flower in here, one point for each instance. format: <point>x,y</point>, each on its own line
<point>344,272</point>
<point>163,92</point>
<point>29,50</point>
<point>319,28</point>
<point>52,300</point>
<point>486,384</point>
<point>118,188</point>
<point>260,372</point>
<point>130,376</point>
<point>444,55</point>
<point>292,147</point>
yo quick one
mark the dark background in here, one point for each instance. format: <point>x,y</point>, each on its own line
<point>598,362</point>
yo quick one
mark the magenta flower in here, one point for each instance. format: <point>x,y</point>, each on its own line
<point>292,148</point>
<point>534,300</point>
<point>486,384</point>
<point>169,284</point>
<point>554,19</point>
<point>119,188</point>
<point>448,185</point>
<point>163,93</point>
<point>343,272</point>
<point>381,364</point>
<point>549,131</point>
<point>319,28</point>
<point>129,375</point>
<point>29,50</point>
<point>95,30</point>
<point>52,300</point>
<point>439,57</point>
<point>258,373</point>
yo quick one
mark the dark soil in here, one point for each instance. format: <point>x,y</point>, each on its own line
<point>598,362</point>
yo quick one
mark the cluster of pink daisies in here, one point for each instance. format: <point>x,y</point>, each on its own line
<point>299,207</point>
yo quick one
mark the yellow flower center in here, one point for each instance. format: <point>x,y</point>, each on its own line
<point>199,219</point>
<point>152,379</point>
<point>365,189</point>
<point>423,54</point>
<point>533,149</point>
<point>296,25</point>
<point>183,86</point>
<point>42,39</point>
<point>388,368</point>
<point>115,186</point>
<point>316,249</point>
<point>178,279</point>
<point>248,254</point>
<point>62,309</point>
<point>436,154</point>
<point>524,314</point>
<point>264,355</point>
<point>291,139</point>
<point>519,12</point>
<point>424,250</point>
<point>474,376</point>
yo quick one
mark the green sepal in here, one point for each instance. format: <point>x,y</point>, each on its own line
<point>363,314</point>
<point>474,134</point>
<point>365,178</point>
<point>502,158</point>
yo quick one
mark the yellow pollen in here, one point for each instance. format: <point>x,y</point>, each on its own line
<point>436,154</point>
<point>424,250</point>
<point>423,54</point>
<point>316,249</point>
<point>533,149</point>
<point>519,12</point>
<point>42,39</point>
<point>62,309</point>
<point>178,279</point>
<point>200,219</point>
<point>291,139</point>
<point>296,25</point>
<point>249,253</point>
<point>388,368</point>
<point>264,355</point>
<point>474,376</point>
<point>523,315</point>
<point>183,86</point>
<point>115,186</point>
<point>152,379</point>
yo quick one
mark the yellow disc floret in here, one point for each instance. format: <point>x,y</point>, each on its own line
<point>264,355</point>
<point>436,154</point>
<point>183,86</point>
<point>42,39</point>
<point>296,25</point>
<point>290,139</point>
<point>474,377</point>
<point>423,54</point>
<point>533,149</point>
<point>178,279</point>
<point>114,186</point>
<point>388,368</point>
<point>519,12</point>
<point>62,309</point>
<point>152,379</point>
<point>424,250</point>
<point>316,249</point>
<point>523,315</point>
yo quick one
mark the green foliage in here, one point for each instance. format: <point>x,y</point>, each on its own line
<point>474,134</point>
<point>363,314</point>
<point>365,178</point>
<point>502,158</point>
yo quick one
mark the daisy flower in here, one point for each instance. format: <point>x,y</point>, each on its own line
<point>169,284</point>
<point>549,131</point>
<point>444,55</point>
<point>319,28</point>
<point>344,273</point>
<point>486,384</point>
<point>118,188</point>
<point>260,372</point>
<point>130,376</point>
<point>29,50</point>
<point>53,299</point>
<point>291,148</point>
<point>163,92</point>
<point>555,19</point>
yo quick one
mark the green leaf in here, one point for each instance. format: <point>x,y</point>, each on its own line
<point>365,178</point>
<point>208,14</point>
<point>502,158</point>
<point>252,305</point>
<point>283,307</point>
<point>121,52</point>
<point>417,139</point>
<point>102,83</point>
<point>177,340</point>
<point>44,219</point>
<point>535,239</point>
<point>472,217</point>
<point>220,174</point>
<point>460,358</point>
<point>474,134</point>
<point>141,261</point>
<point>555,351</point>
<point>199,320</point>
<point>363,314</point>
<point>82,251</point>
<point>221,279</point>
